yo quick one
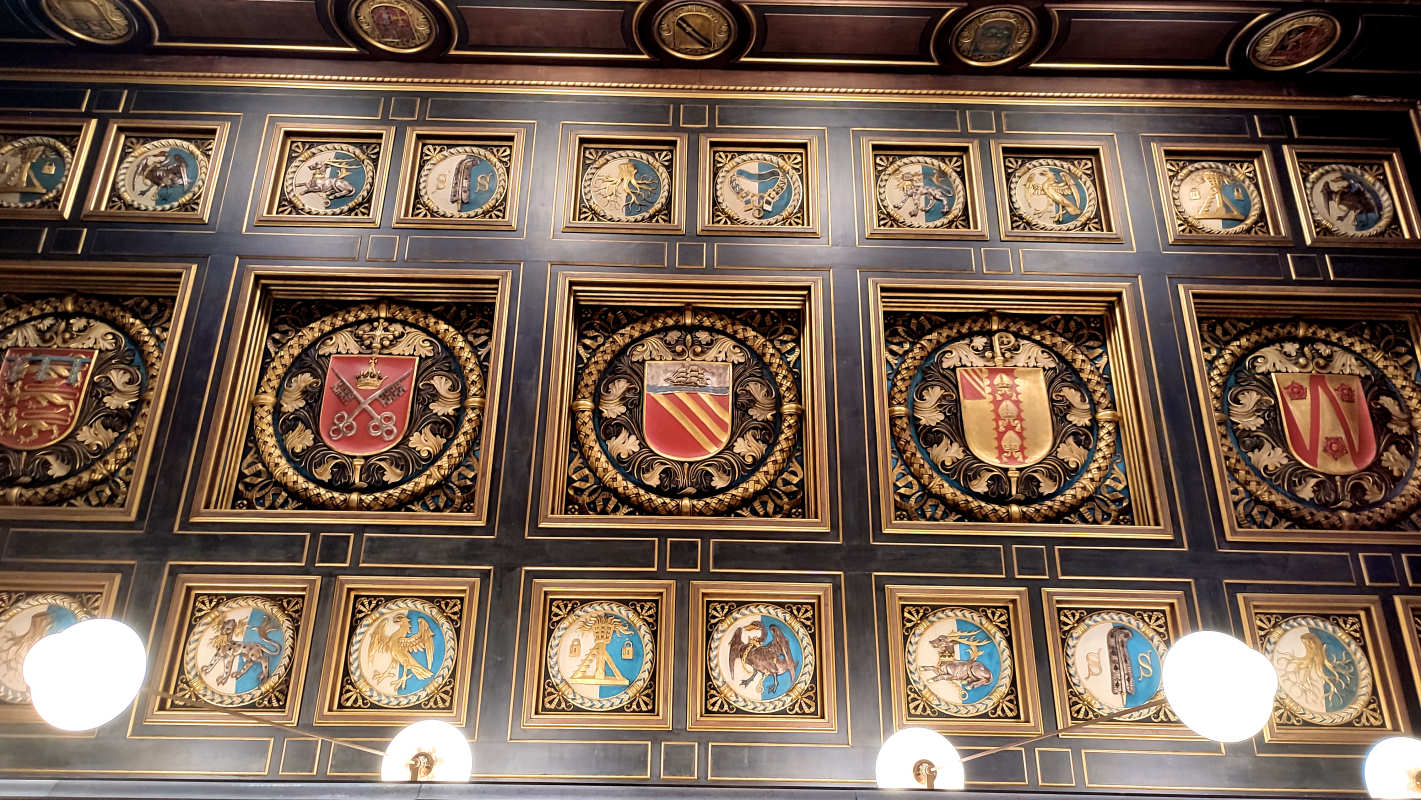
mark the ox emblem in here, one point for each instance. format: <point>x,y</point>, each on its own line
<point>41,392</point>
<point>366,405</point>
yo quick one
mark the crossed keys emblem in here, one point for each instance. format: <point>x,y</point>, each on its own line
<point>364,410</point>
<point>382,424</point>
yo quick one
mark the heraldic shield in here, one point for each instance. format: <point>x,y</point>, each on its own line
<point>365,408</point>
<point>1006,416</point>
<point>1326,420</point>
<point>41,392</point>
<point>686,408</point>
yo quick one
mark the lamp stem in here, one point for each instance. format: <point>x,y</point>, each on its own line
<point>1108,717</point>
<point>261,721</point>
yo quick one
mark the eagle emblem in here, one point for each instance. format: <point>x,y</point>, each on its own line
<point>402,652</point>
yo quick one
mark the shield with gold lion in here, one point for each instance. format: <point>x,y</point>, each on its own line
<point>686,409</point>
<point>1326,420</point>
<point>1006,414</point>
<point>41,392</point>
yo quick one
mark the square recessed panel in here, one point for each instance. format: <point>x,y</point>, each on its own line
<point>628,184</point>
<point>158,171</point>
<point>1353,196</point>
<point>37,604</point>
<point>766,186</point>
<point>325,175</point>
<point>922,189</point>
<point>461,178</point>
<point>1219,195</point>
<point>40,166</point>
<point>1055,192</point>
<point>1408,612</point>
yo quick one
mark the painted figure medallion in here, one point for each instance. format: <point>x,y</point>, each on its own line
<point>627,185</point>
<point>922,192</point>
<point>401,26</point>
<point>1113,661</point>
<point>1350,200</point>
<point>34,171</point>
<point>21,625</point>
<point>402,652</point>
<point>994,36</point>
<point>1324,676</point>
<point>1052,194</point>
<point>239,651</point>
<point>600,656</point>
<point>1218,198</point>
<point>761,189</point>
<point>330,179</point>
<point>694,30</point>
<point>464,182</point>
<point>761,659</point>
<point>98,21</point>
<point>162,175</point>
<point>959,662</point>
<point>1293,41</point>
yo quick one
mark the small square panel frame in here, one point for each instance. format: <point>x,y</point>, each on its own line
<point>675,180</point>
<point>1272,220</point>
<point>1394,172</point>
<point>277,161</point>
<point>1107,181</point>
<point>805,146</point>
<point>81,131</point>
<point>971,195</point>
<point>413,162</point>
<point>111,158</point>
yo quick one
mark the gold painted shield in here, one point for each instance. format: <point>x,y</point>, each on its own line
<point>1006,415</point>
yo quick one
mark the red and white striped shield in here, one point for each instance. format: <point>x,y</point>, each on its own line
<point>686,409</point>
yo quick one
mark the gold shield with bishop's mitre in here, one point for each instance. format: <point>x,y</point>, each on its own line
<point>1006,415</point>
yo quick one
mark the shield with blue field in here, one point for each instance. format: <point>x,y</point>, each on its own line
<point>959,662</point>
<point>29,619</point>
<point>761,658</point>
<point>686,408</point>
<point>759,189</point>
<point>238,651</point>
<point>402,652</point>
<point>601,656</point>
<point>1113,662</point>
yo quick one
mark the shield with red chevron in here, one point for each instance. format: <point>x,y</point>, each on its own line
<point>686,409</point>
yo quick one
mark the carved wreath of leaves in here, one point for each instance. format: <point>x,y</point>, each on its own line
<point>715,702</point>
<point>795,160</point>
<point>551,695</point>
<point>296,148</point>
<point>351,697</point>
<point>294,606</point>
<point>665,157</point>
<point>115,199</point>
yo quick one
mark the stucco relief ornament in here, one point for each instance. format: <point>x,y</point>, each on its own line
<point>687,412</point>
<point>959,663</point>
<point>1294,40</point>
<point>1051,194</point>
<point>329,179</point>
<point>33,171</point>
<point>1350,200</point>
<point>368,408</point>
<point>461,182</point>
<point>1003,418</point>
<point>1113,662</point>
<point>993,36</point>
<point>402,652</point>
<point>1318,425</point>
<point>1213,197</point>
<point>761,189</point>
<point>922,192</point>
<point>162,175</point>
<point>626,185</point>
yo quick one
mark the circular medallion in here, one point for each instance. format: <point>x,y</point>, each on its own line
<point>462,183</point>
<point>33,171</point>
<point>77,377</point>
<point>1323,675</point>
<point>396,26</point>
<point>1347,200</point>
<point>93,21</point>
<point>759,189</point>
<point>1113,662</point>
<point>959,662</point>
<point>996,440</point>
<point>239,651</point>
<point>694,31</point>
<point>993,36</point>
<point>922,192</point>
<point>329,179</point>
<point>1319,425</point>
<point>368,408</point>
<point>1053,195</point>
<point>600,657</point>
<point>1216,198</point>
<point>761,658</point>
<point>1294,41</point>
<point>21,625</point>
<point>632,399</point>
<point>402,652</point>
<point>626,186</point>
<point>162,175</point>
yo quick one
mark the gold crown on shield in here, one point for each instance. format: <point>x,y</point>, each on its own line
<point>371,377</point>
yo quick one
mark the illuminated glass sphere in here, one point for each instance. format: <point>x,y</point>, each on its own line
<point>1218,686</point>
<point>437,751</point>
<point>86,674</point>
<point>1393,768</point>
<point>919,758</point>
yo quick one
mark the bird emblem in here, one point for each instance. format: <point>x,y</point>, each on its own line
<point>163,170</point>
<point>1060,191</point>
<point>763,650</point>
<point>398,637</point>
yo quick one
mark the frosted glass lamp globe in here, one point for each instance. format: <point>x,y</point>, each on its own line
<point>1220,687</point>
<point>919,758</point>
<point>86,674</point>
<point>1393,768</point>
<point>428,750</point>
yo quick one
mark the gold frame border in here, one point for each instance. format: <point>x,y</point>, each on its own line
<point>1256,301</point>
<point>544,590</point>
<point>971,176</point>
<point>1117,302</point>
<point>1390,697</point>
<point>407,193</point>
<point>1404,201</point>
<point>767,143</point>
<point>109,160</point>
<point>575,288</point>
<point>1174,604</point>
<point>1272,198</point>
<point>124,280</point>
<point>572,179</point>
<point>1108,181</point>
<point>168,664</point>
<point>240,360</point>
<point>1023,651</point>
<point>31,126</point>
<point>274,164</point>
<point>822,594</point>
<point>338,638</point>
<point>1408,608</point>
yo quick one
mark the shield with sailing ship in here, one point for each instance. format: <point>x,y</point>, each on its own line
<point>1006,415</point>
<point>365,408</point>
<point>686,410</point>
<point>1326,420</point>
<point>41,392</point>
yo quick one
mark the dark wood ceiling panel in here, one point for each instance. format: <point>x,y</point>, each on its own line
<point>1386,43</point>
<point>1134,38</point>
<point>547,31</point>
<point>13,24</point>
<point>819,33</point>
<point>254,21</point>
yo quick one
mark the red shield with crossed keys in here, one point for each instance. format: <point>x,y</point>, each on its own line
<point>365,408</point>
<point>41,392</point>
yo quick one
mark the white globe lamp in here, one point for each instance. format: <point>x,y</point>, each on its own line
<point>919,758</point>
<point>1220,687</point>
<point>1393,768</point>
<point>430,751</point>
<point>85,675</point>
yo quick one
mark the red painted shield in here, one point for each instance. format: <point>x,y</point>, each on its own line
<point>1006,415</point>
<point>365,408</point>
<point>41,392</point>
<point>686,408</point>
<point>1326,420</point>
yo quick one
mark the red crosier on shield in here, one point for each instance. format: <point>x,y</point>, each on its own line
<point>1326,420</point>
<point>365,408</point>
<point>41,392</point>
<point>686,408</point>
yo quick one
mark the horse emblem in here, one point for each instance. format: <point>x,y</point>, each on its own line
<point>601,656</point>
<point>625,186</point>
<point>365,408</point>
<point>238,651</point>
<point>686,409</point>
<point>959,662</point>
<point>25,622</point>
<point>1113,662</point>
<point>402,652</point>
<point>41,392</point>
<point>1327,420</point>
<point>1006,415</point>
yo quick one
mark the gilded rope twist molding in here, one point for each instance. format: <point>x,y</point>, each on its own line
<point>264,403</point>
<point>1105,418</point>
<point>583,405</point>
<point>150,352</point>
<point>1229,355</point>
